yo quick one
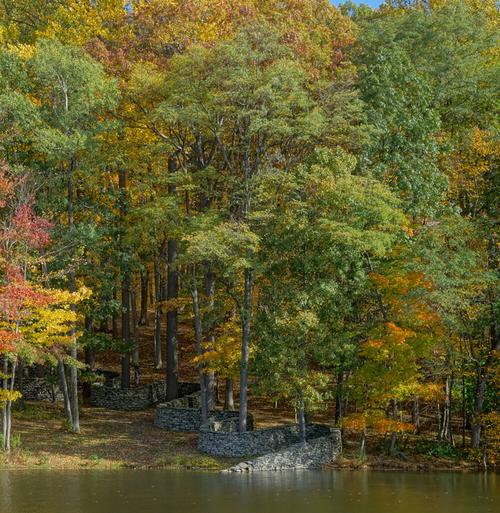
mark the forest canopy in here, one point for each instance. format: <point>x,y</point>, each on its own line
<point>305,196</point>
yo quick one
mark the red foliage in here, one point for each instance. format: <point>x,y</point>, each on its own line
<point>8,341</point>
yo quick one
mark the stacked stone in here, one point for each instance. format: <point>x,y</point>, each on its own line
<point>40,389</point>
<point>133,398</point>
<point>313,454</point>
<point>217,440</point>
<point>184,414</point>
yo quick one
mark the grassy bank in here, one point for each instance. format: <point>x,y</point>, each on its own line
<point>108,440</point>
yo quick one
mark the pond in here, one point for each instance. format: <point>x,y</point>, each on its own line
<point>131,491</point>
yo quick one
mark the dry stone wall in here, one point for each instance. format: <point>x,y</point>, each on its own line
<point>312,454</point>
<point>184,414</point>
<point>222,439</point>
<point>135,397</point>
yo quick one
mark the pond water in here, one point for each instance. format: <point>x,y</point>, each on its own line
<point>134,491</point>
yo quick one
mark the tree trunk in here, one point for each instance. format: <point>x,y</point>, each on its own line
<point>75,413</point>
<point>246,315</point>
<point>64,389</point>
<point>339,398</point>
<point>144,319</point>
<point>198,338</point>
<point>362,445</point>
<point>135,326</point>
<point>157,330</point>
<point>210,293</point>
<point>394,435</point>
<point>416,415</point>
<point>301,411</point>
<point>445,428</point>
<point>172,294</point>
<point>125,363</point>
<point>229,395</point>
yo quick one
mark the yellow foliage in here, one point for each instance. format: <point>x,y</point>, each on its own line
<point>7,395</point>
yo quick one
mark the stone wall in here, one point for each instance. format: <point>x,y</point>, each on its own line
<point>219,440</point>
<point>184,414</point>
<point>313,454</point>
<point>40,389</point>
<point>134,398</point>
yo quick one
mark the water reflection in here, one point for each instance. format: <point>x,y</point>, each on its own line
<point>131,491</point>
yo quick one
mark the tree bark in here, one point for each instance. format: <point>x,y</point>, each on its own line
<point>339,398</point>
<point>209,376</point>
<point>245,346</point>
<point>198,339</point>
<point>75,413</point>
<point>125,293</point>
<point>229,395</point>
<point>172,294</point>
<point>64,389</point>
<point>157,327</point>
<point>135,326</point>
<point>144,319</point>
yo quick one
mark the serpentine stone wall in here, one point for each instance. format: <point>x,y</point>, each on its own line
<point>313,454</point>
<point>222,439</point>
<point>184,414</point>
<point>135,397</point>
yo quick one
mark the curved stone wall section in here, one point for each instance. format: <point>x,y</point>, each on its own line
<point>310,455</point>
<point>134,398</point>
<point>221,441</point>
<point>184,414</point>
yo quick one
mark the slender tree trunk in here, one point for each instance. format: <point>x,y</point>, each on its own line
<point>157,330</point>
<point>416,415</point>
<point>64,389</point>
<point>301,414</point>
<point>394,435</point>
<point>144,319</point>
<point>198,338</point>
<point>245,346</point>
<point>135,326</point>
<point>362,445</point>
<point>210,293</point>
<point>125,364</point>
<point>89,360</point>
<point>75,412</point>
<point>7,414</point>
<point>229,395</point>
<point>114,318</point>
<point>172,294</point>
<point>339,398</point>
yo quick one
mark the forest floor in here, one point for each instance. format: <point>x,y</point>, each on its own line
<point>113,439</point>
<point>116,439</point>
